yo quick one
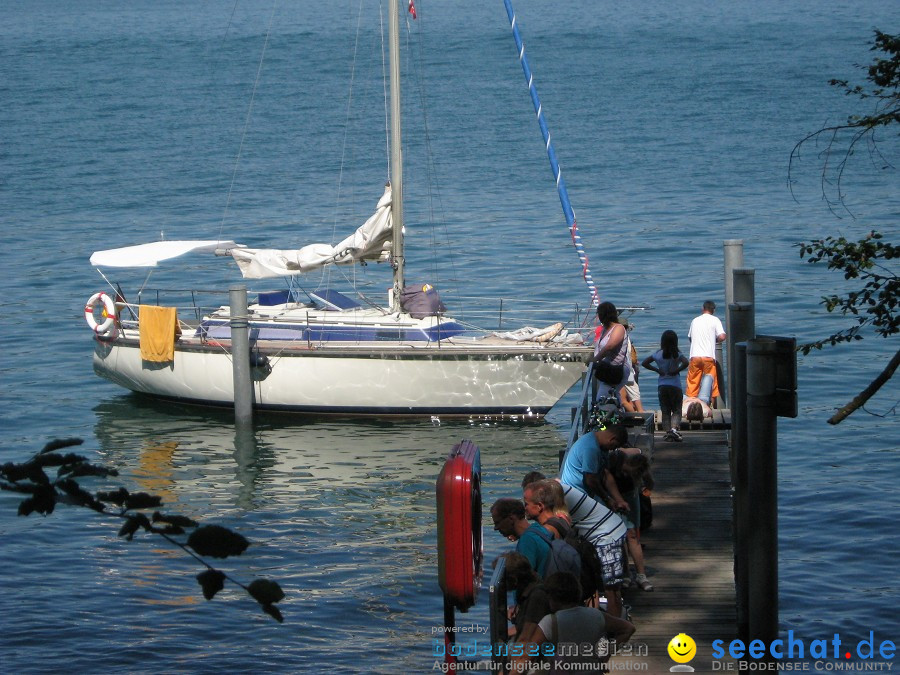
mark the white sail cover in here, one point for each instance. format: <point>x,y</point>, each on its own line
<point>149,255</point>
<point>370,241</point>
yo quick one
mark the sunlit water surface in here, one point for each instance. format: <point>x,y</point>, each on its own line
<point>673,123</point>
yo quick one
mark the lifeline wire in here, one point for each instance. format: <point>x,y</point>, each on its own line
<point>551,154</point>
<point>237,160</point>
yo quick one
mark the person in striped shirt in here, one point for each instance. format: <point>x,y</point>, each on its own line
<point>604,528</point>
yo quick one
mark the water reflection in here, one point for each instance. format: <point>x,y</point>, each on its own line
<point>161,444</point>
<point>341,513</point>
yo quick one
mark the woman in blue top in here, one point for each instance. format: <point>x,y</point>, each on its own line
<point>669,362</point>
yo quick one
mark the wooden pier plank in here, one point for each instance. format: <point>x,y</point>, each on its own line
<point>688,553</point>
<point>721,419</point>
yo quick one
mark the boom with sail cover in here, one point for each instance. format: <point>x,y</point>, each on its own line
<point>150,255</point>
<point>371,241</point>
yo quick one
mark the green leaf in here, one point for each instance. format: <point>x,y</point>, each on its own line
<point>85,469</point>
<point>265,591</point>
<point>26,507</point>
<point>217,541</point>
<point>118,497</point>
<point>141,500</point>
<point>59,460</point>
<point>78,495</point>
<point>168,529</point>
<point>211,581</point>
<point>274,612</point>
<point>180,521</point>
<point>16,472</point>
<point>60,443</point>
<point>129,527</point>
<point>43,501</point>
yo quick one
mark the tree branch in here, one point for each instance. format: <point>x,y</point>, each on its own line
<point>860,399</point>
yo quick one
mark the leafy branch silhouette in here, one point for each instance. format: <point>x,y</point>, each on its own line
<point>873,262</point>
<point>212,541</point>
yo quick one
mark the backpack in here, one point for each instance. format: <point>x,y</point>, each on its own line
<point>591,576</point>
<point>563,557</point>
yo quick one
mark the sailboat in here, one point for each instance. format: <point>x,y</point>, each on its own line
<point>324,352</point>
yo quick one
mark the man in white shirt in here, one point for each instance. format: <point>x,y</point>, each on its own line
<point>705,331</point>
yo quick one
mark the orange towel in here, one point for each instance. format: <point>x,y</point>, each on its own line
<point>157,330</point>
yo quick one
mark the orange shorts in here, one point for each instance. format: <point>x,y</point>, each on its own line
<point>700,366</point>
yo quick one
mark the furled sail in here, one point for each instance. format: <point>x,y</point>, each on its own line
<point>371,241</point>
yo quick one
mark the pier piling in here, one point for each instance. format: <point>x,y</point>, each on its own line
<point>240,356</point>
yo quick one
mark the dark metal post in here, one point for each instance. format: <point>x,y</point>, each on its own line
<point>720,401</point>
<point>741,518</point>
<point>744,292</point>
<point>733,250</point>
<point>762,480</point>
<point>734,258</point>
<point>742,319</point>
<point>449,635</point>
<point>498,622</point>
<point>744,284</point>
<point>741,316</point>
<point>240,356</point>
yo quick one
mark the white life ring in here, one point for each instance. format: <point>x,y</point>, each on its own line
<point>109,311</point>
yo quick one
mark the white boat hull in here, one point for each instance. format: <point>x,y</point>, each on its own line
<point>521,380</point>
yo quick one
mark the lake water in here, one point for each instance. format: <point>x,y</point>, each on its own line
<point>673,123</point>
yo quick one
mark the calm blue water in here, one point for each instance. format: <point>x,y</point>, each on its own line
<point>673,122</point>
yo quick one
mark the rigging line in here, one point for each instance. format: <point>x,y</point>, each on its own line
<point>551,154</point>
<point>230,18</point>
<point>326,277</point>
<point>237,160</point>
<point>434,192</point>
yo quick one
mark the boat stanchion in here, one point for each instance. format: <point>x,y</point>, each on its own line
<point>240,355</point>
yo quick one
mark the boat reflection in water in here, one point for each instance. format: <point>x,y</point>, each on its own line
<point>341,514</point>
<point>172,449</point>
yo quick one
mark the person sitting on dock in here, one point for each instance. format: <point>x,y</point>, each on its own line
<point>577,632</point>
<point>509,519</point>
<point>584,465</point>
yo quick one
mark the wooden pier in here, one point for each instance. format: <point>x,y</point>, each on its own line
<point>688,553</point>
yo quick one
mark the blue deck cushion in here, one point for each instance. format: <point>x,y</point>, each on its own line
<point>334,299</point>
<point>271,298</point>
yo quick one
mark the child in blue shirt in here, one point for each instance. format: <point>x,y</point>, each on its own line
<point>669,362</point>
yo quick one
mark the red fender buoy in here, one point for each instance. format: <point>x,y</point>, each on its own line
<point>460,554</point>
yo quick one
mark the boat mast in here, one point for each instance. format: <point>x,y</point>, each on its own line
<point>396,154</point>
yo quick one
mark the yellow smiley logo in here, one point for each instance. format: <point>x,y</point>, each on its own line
<point>682,648</point>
